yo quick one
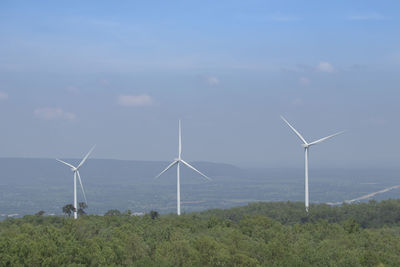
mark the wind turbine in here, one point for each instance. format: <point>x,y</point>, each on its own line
<point>75,170</point>
<point>177,162</point>
<point>306,146</point>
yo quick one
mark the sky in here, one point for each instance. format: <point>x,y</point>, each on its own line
<point>120,74</point>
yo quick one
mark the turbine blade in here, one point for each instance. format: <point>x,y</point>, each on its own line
<point>295,131</point>
<point>85,158</point>
<point>83,191</point>
<point>166,169</point>
<point>325,138</point>
<point>193,168</point>
<point>66,163</point>
<point>180,140</point>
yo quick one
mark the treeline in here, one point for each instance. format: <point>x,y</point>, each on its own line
<point>260,234</point>
<point>372,214</point>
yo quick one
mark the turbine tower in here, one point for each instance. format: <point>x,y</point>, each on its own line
<point>75,170</point>
<point>177,162</point>
<point>306,146</point>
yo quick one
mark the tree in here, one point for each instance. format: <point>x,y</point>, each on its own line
<point>154,214</point>
<point>113,212</point>
<point>82,207</point>
<point>40,213</point>
<point>68,209</point>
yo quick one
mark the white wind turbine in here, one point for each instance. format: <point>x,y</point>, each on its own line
<point>177,162</point>
<point>306,146</point>
<point>75,170</point>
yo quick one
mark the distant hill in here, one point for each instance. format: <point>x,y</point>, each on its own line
<point>26,171</point>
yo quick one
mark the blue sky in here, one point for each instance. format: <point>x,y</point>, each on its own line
<point>120,74</point>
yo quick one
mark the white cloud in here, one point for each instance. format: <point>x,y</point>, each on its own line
<point>53,114</point>
<point>212,80</point>
<point>367,16</point>
<point>304,81</point>
<point>3,96</point>
<point>135,100</point>
<point>325,67</point>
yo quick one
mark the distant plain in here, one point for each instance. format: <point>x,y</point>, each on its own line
<point>30,185</point>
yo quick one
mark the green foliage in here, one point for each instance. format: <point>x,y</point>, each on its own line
<point>81,209</point>
<point>260,234</point>
<point>68,209</point>
<point>40,213</point>
<point>154,214</point>
<point>113,212</point>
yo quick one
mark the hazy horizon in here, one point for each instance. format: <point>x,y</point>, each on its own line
<point>30,185</point>
<point>241,165</point>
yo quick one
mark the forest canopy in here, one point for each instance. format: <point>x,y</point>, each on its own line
<point>259,234</point>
